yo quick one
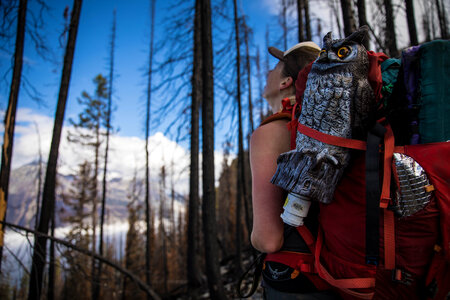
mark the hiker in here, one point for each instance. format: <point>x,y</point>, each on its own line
<point>268,141</point>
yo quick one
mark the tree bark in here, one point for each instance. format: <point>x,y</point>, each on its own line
<point>442,19</point>
<point>147,152</point>
<point>284,26</point>
<point>215,285</point>
<point>39,250</point>
<point>193,270</point>
<point>249,81</point>
<point>391,40</point>
<point>241,182</point>
<point>300,5</point>
<point>413,40</point>
<point>105,166</point>
<point>348,16</point>
<point>361,4</point>
<point>10,117</point>
<point>307,20</point>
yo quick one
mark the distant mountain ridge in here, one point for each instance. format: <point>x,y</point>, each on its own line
<point>23,191</point>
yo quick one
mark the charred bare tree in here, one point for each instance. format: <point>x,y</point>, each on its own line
<point>442,16</point>
<point>10,117</point>
<point>247,31</point>
<point>390,37</point>
<point>348,17</point>
<point>147,152</point>
<point>413,40</point>
<point>283,21</point>
<point>39,250</point>
<point>307,20</point>
<point>260,79</point>
<point>215,285</point>
<point>39,177</point>
<point>301,35</point>
<point>162,227</point>
<point>193,271</point>
<point>105,165</point>
<point>240,170</point>
<point>362,19</point>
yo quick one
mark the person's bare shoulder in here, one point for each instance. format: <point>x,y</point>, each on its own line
<point>272,137</point>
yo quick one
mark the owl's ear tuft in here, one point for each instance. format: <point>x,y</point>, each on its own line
<point>359,35</point>
<point>327,40</point>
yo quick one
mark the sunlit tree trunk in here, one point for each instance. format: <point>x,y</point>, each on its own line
<point>10,117</point>
<point>39,250</point>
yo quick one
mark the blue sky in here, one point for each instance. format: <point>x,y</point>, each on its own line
<point>92,52</point>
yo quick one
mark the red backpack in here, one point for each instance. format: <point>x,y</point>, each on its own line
<point>362,249</point>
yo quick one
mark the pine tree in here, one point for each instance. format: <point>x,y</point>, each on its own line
<point>88,132</point>
<point>78,199</point>
<point>134,243</point>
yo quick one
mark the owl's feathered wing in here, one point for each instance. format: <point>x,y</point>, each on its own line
<point>337,101</point>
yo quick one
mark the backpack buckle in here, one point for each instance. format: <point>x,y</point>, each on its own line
<point>401,276</point>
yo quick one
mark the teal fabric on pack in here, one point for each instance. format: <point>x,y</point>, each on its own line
<point>389,72</point>
<point>434,114</point>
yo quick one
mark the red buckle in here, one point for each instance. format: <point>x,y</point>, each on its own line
<point>384,202</point>
<point>401,276</point>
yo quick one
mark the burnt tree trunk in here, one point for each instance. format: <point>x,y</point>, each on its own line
<point>362,19</point>
<point>10,117</point>
<point>105,166</point>
<point>215,285</point>
<point>301,36</point>
<point>147,152</point>
<point>193,271</point>
<point>391,40</point>
<point>307,20</point>
<point>442,19</point>
<point>413,40</point>
<point>348,17</point>
<point>48,200</point>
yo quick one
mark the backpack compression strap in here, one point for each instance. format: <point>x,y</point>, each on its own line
<point>389,235</point>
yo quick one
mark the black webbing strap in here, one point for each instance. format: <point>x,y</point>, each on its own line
<point>257,265</point>
<point>373,192</point>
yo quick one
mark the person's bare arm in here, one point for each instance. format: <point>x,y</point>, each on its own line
<point>267,143</point>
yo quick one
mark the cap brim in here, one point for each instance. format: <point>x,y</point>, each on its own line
<point>307,47</point>
<point>277,53</point>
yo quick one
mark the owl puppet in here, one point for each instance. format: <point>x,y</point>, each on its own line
<point>337,101</point>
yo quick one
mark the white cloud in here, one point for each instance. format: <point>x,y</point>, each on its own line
<point>126,155</point>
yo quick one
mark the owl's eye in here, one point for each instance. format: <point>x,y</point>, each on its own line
<point>343,52</point>
<point>322,52</point>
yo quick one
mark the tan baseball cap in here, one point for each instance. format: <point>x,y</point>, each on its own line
<point>296,57</point>
<point>306,47</point>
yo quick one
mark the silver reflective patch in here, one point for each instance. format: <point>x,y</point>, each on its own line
<point>411,195</point>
